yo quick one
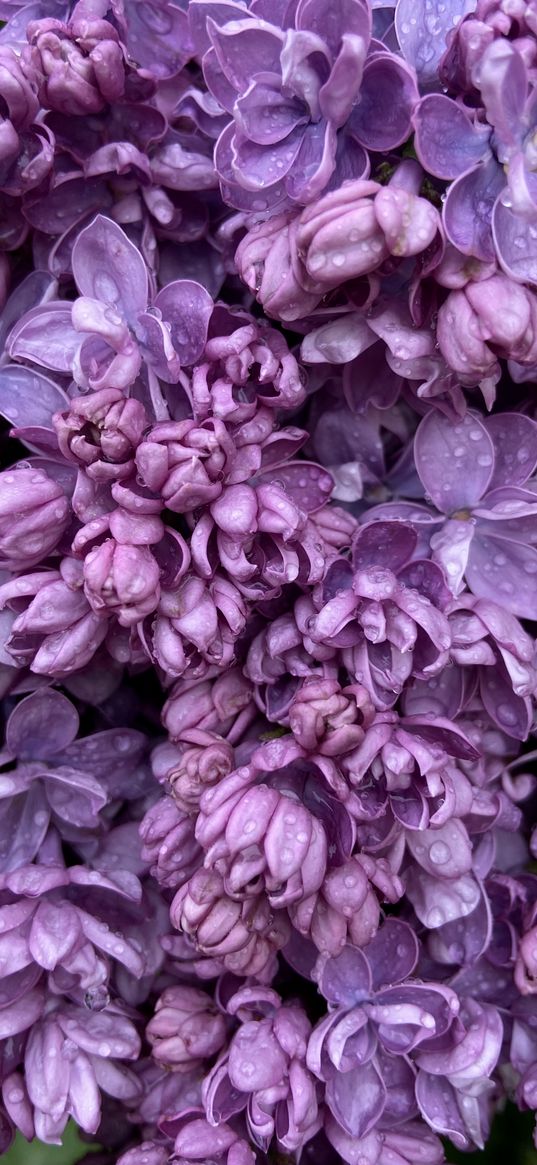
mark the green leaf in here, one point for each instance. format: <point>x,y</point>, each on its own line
<point>73,1149</point>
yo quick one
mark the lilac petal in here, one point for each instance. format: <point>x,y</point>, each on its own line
<point>454,462</point>
<point>392,953</point>
<point>157,37</point>
<point>515,240</point>
<point>510,712</point>
<point>67,204</point>
<point>339,341</point>
<point>29,399</point>
<point>439,1106</point>
<point>109,268</point>
<point>338,94</point>
<point>464,941</point>
<point>264,116</point>
<point>422,32</point>
<point>19,1016</point>
<point>345,979</point>
<point>381,120</point>
<point>255,1058</point>
<point>84,1095</point>
<point>356,1099</point>
<point>515,446</point>
<point>55,930</point>
<point>256,167</point>
<point>468,208</point>
<point>109,942</point>
<point>217,82</point>
<point>343,16</point>
<point>219,11</point>
<point>155,343</point>
<point>41,725</point>
<point>445,852</point>
<point>308,484</point>
<point>447,142</point>
<point>101,1033</point>
<point>314,163</point>
<point>390,544</point>
<point>438,900</point>
<point>45,335</point>
<point>246,48</point>
<point>75,798</point>
<point>187,307</point>
<point>499,568</point>
<point>23,824</point>
<point>502,79</point>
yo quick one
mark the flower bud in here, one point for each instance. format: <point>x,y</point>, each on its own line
<point>34,513</point>
<point>185,1029</point>
<point>122,580</point>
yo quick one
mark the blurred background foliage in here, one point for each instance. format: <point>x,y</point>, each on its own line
<point>511,1143</point>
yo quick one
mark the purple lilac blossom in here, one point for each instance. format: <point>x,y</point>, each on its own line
<point>267,585</point>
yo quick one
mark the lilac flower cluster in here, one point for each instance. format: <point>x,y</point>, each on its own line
<point>268,575</point>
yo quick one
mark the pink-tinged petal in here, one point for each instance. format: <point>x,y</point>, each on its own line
<point>512,713</point>
<point>515,446</point>
<point>109,268</point>
<point>45,335</point>
<point>198,1140</point>
<point>455,462</point>
<point>446,140</point>
<point>27,398</point>
<point>515,240</point>
<point>41,725</point>
<point>502,79</point>
<point>505,571</point>
<point>287,841</point>
<point>356,1099</point>
<point>422,33</point>
<point>255,1058</point>
<point>382,118</point>
<point>187,307</point>
<point>409,223</point>
<point>468,208</point>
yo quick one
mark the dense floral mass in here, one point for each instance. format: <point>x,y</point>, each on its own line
<point>268,576</point>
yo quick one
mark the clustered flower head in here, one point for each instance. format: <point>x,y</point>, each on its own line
<point>268,577</point>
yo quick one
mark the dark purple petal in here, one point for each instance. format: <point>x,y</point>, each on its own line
<point>383,543</point>
<point>41,725</point>
<point>392,954</point>
<point>345,979</point>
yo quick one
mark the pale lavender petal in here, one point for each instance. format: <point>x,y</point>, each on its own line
<point>109,268</point>
<point>454,462</point>
<point>187,307</point>
<point>447,142</point>
<point>468,209</point>
<point>29,399</point>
